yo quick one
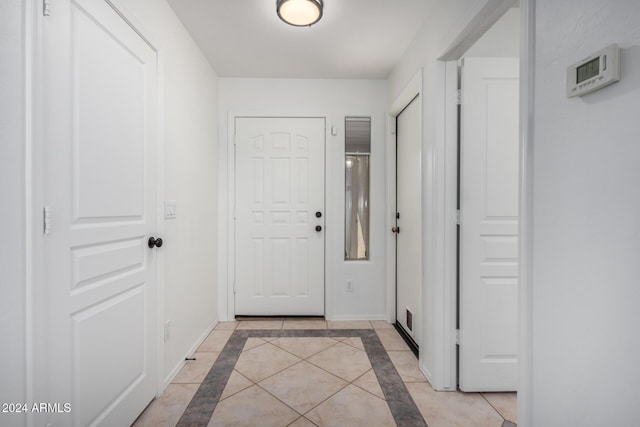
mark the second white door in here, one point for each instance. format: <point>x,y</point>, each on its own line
<point>97,318</point>
<point>279,216</point>
<point>489,225</point>
<point>408,214</point>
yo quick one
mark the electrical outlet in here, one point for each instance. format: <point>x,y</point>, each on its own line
<point>349,286</point>
<point>167,330</point>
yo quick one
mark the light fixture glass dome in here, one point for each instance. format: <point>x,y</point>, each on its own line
<point>300,13</point>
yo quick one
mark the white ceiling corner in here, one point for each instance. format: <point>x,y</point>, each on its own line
<point>355,39</point>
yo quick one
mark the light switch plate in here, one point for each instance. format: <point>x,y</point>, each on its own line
<point>170,209</point>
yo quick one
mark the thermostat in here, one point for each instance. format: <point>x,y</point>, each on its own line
<point>594,72</point>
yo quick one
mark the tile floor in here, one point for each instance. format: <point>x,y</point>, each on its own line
<point>315,373</point>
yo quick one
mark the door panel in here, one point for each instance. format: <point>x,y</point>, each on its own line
<point>408,240</point>
<point>100,126</point>
<point>489,227</point>
<point>279,188</point>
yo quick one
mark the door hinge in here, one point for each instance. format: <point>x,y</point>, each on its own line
<point>46,7</point>
<point>458,217</point>
<point>457,336</point>
<point>46,220</point>
<point>234,288</point>
<point>459,97</point>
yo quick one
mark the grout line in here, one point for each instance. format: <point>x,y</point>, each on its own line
<point>328,397</point>
<point>233,394</point>
<point>496,409</point>
<point>493,407</point>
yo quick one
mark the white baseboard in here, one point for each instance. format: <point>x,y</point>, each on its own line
<point>358,317</point>
<point>182,362</point>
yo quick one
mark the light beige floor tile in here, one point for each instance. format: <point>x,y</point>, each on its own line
<point>194,371</point>
<point>303,386</point>
<point>215,341</point>
<point>237,382</point>
<point>253,343</point>
<point>349,324</point>
<point>259,324</point>
<point>226,325</point>
<point>391,340</point>
<point>342,360</point>
<point>302,422</point>
<point>505,403</point>
<point>354,342</point>
<point>252,407</point>
<point>352,406</point>
<point>264,361</point>
<point>303,347</point>
<point>453,409</point>
<point>166,410</point>
<point>369,382</point>
<point>381,324</point>
<point>304,324</point>
<point>406,364</point>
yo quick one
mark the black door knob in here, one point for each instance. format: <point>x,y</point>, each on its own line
<point>154,242</point>
<point>318,214</point>
<point>318,228</point>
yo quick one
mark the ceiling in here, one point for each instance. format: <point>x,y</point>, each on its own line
<point>356,39</point>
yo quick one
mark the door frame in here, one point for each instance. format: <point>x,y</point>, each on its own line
<point>35,196</point>
<point>408,94</point>
<point>446,138</point>
<point>226,293</point>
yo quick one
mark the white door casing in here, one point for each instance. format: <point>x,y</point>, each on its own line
<point>99,294</point>
<point>408,203</point>
<point>279,185</point>
<point>489,225</point>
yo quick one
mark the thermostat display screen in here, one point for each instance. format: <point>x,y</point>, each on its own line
<point>588,70</point>
<point>594,72</point>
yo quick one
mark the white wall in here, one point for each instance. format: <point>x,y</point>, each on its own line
<point>190,178</point>
<point>12,210</point>
<point>501,40</point>
<point>337,99</point>
<point>586,221</point>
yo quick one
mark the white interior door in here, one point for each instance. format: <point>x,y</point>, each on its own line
<point>408,223</point>
<point>98,304</point>
<point>489,225</point>
<point>279,216</point>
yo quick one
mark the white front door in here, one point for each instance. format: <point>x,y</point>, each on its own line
<point>97,309</point>
<point>408,213</point>
<point>489,225</point>
<point>279,216</point>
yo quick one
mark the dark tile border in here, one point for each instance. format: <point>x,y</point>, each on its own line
<point>403,408</point>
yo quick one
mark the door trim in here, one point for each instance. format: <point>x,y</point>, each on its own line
<point>227,237</point>
<point>527,67</point>
<point>408,94</point>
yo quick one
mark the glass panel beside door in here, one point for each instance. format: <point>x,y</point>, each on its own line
<point>357,152</point>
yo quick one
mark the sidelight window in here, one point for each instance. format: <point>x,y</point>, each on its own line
<point>357,152</point>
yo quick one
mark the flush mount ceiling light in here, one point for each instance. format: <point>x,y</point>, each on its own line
<point>300,13</point>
